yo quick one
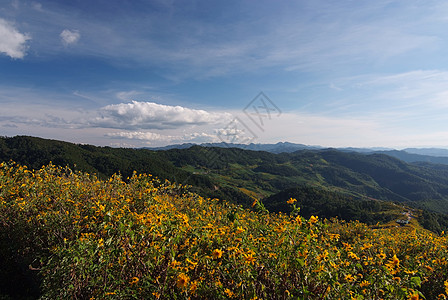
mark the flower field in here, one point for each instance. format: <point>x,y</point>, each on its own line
<point>140,238</point>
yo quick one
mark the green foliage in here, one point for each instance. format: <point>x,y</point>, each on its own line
<point>327,204</point>
<point>434,221</point>
<point>144,238</point>
<point>106,161</point>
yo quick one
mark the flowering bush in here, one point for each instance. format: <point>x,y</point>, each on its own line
<point>141,238</point>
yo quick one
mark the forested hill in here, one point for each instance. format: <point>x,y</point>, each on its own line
<point>242,175</point>
<point>105,161</point>
<point>375,176</point>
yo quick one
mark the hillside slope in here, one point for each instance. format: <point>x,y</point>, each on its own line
<point>362,176</point>
<point>69,235</point>
<point>240,175</point>
<point>105,161</point>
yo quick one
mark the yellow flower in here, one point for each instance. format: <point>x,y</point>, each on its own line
<point>353,255</point>
<point>322,256</point>
<point>291,201</point>
<point>249,258</point>
<point>182,280</point>
<point>349,278</point>
<point>134,280</point>
<point>217,253</point>
<point>395,262</point>
<point>366,246</point>
<point>313,219</point>
<point>229,293</point>
<point>414,297</point>
<point>364,283</point>
<point>446,287</point>
<point>239,230</point>
<point>193,286</point>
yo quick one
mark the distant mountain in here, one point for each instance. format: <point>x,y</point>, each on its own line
<point>174,146</point>
<point>410,155</point>
<point>273,148</point>
<point>413,158</point>
<point>428,151</point>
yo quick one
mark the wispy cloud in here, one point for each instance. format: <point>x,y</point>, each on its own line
<point>294,37</point>
<point>12,42</point>
<point>127,96</point>
<point>424,88</point>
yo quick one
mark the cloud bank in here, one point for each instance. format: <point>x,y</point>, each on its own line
<point>12,42</point>
<point>151,138</point>
<point>149,115</point>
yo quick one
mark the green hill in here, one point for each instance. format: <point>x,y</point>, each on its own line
<point>336,180</point>
<point>375,176</point>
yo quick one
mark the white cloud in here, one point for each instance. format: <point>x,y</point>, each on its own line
<point>149,115</point>
<point>69,37</point>
<point>139,135</point>
<point>12,42</point>
<point>156,138</point>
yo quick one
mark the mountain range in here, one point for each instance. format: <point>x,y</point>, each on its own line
<point>365,185</point>
<point>431,155</point>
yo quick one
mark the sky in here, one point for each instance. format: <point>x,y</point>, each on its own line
<point>134,73</point>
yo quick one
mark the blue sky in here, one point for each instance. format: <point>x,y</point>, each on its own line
<point>150,73</point>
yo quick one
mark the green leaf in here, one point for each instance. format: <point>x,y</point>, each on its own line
<point>417,281</point>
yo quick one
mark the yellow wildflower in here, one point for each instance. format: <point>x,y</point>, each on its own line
<point>394,262</point>
<point>134,280</point>
<point>239,230</point>
<point>313,219</point>
<point>193,286</point>
<point>349,278</point>
<point>353,255</point>
<point>249,258</point>
<point>217,253</point>
<point>291,201</point>
<point>414,297</point>
<point>381,255</point>
<point>182,280</point>
<point>229,293</point>
<point>364,283</point>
